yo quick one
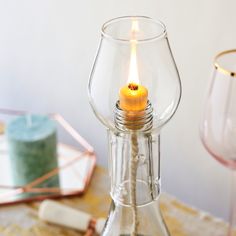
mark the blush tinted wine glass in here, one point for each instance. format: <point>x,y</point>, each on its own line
<point>218,125</point>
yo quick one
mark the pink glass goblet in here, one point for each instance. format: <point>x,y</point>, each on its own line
<point>218,125</point>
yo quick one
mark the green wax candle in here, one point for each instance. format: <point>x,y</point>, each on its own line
<point>32,149</point>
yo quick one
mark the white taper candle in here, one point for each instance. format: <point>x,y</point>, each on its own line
<point>54,212</point>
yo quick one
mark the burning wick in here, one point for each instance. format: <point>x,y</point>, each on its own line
<point>133,86</point>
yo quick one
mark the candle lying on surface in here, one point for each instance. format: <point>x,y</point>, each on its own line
<point>32,149</point>
<point>57,213</point>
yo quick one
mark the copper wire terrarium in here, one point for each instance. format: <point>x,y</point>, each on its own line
<point>134,90</point>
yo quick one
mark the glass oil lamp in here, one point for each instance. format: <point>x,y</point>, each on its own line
<point>134,90</point>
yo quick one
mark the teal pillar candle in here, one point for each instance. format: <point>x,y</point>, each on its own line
<point>32,145</point>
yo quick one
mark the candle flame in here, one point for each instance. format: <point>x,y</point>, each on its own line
<point>135,26</point>
<point>133,77</point>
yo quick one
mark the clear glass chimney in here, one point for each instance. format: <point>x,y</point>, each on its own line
<point>134,89</point>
